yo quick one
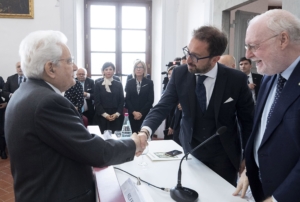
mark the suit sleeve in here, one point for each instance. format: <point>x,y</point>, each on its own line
<point>150,99</point>
<point>167,102</point>
<point>98,105</point>
<point>6,89</point>
<point>245,111</point>
<point>70,138</point>
<point>128,98</point>
<point>121,98</point>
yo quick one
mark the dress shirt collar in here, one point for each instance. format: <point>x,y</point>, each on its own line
<point>212,73</point>
<point>55,89</point>
<point>287,73</point>
<point>249,75</point>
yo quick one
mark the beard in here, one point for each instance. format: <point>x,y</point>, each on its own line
<point>200,69</point>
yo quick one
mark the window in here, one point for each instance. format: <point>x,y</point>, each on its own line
<point>117,32</point>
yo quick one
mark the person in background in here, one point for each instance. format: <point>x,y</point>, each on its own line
<point>227,60</point>
<point>3,105</point>
<point>139,96</point>
<point>109,100</point>
<point>88,94</point>
<point>253,80</point>
<point>75,94</point>
<point>272,153</point>
<point>183,60</point>
<point>210,98</point>
<point>51,152</point>
<point>13,82</point>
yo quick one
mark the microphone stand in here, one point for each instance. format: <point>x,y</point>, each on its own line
<point>184,194</point>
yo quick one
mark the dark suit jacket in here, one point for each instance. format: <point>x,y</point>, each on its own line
<point>51,152</point>
<point>141,102</point>
<point>279,152</point>
<point>89,86</point>
<point>11,85</point>
<point>256,80</point>
<point>181,88</point>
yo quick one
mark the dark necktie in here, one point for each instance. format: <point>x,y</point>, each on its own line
<point>280,84</point>
<point>201,92</point>
<point>20,80</point>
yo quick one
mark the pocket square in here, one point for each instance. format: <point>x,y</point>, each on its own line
<point>88,89</point>
<point>228,100</point>
<point>144,85</point>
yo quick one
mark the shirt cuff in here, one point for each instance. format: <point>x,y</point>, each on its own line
<point>117,113</point>
<point>148,129</point>
<point>104,114</point>
<point>274,200</point>
<point>88,95</point>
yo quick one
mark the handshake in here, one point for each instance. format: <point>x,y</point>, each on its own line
<point>140,142</point>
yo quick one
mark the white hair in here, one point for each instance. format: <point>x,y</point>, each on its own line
<point>279,20</point>
<point>38,48</point>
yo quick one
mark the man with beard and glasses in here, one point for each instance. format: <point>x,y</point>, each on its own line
<point>220,100</point>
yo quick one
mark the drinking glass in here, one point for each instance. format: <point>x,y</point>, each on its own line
<point>143,163</point>
<point>118,134</point>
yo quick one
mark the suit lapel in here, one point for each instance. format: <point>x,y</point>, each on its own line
<point>290,93</point>
<point>219,90</point>
<point>191,85</point>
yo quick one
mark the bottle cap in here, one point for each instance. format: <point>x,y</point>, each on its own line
<point>126,114</point>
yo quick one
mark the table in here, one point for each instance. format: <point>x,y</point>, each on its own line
<point>195,175</point>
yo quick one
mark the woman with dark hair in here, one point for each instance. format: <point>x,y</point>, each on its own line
<point>109,100</point>
<point>139,95</point>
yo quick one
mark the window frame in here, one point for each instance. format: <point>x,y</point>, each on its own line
<point>118,4</point>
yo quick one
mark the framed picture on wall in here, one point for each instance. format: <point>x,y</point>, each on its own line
<point>16,8</point>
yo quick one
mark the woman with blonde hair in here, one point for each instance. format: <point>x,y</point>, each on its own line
<point>139,95</point>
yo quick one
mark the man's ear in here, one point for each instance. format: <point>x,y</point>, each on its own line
<point>284,39</point>
<point>49,69</point>
<point>215,59</point>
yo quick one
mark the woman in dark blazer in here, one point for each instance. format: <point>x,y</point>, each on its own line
<point>139,95</point>
<point>109,100</point>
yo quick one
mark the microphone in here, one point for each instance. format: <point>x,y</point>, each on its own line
<point>183,194</point>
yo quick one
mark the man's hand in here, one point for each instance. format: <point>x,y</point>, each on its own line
<point>3,105</point>
<point>268,200</point>
<point>179,106</point>
<point>251,86</point>
<point>170,131</point>
<point>242,185</point>
<point>242,167</point>
<point>142,142</point>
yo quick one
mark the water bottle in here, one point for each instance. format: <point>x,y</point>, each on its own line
<point>126,128</point>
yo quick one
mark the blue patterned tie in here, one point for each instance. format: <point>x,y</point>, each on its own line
<point>280,84</point>
<point>201,92</point>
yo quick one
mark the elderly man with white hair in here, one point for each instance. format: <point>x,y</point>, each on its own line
<point>51,151</point>
<point>273,150</point>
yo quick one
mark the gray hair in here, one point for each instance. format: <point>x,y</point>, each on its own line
<point>279,20</point>
<point>38,48</point>
<point>136,62</point>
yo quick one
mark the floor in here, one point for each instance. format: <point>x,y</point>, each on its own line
<point>6,182</point>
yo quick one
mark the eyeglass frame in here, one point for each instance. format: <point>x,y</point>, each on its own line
<point>192,55</point>
<point>69,61</point>
<point>254,47</point>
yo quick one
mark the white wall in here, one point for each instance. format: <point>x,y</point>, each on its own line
<point>13,30</point>
<point>255,7</point>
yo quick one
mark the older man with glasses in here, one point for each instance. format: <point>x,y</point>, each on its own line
<point>211,96</point>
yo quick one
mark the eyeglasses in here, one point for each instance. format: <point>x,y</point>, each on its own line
<point>254,47</point>
<point>139,67</point>
<point>69,61</point>
<point>194,58</point>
